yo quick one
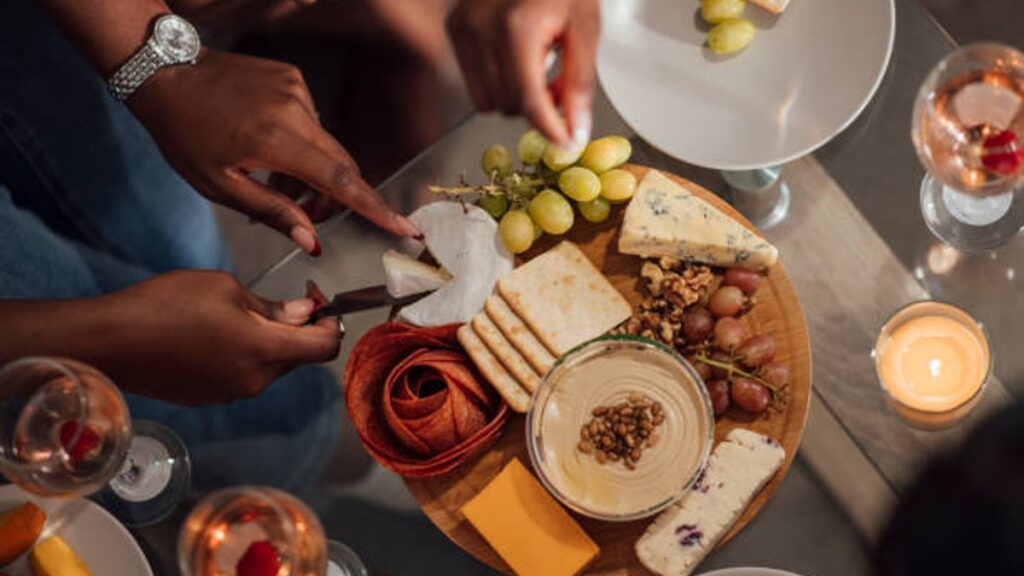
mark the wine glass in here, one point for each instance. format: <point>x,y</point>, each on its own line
<point>65,431</point>
<point>967,125</point>
<point>255,531</point>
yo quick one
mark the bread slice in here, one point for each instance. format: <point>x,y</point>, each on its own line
<point>773,6</point>
<point>519,334</point>
<point>681,536</point>
<point>517,398</point>
<point>563,298</point>
<point>505,352</point>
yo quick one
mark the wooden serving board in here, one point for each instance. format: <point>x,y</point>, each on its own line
<point>777,312</point>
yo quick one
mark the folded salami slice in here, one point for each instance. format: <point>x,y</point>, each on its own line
<point>416,399</point>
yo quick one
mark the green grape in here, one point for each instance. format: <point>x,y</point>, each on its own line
<point>731,36</point>
<point>606,153</point>
<point>580,184</point>
<point>552,212</point>
<point>618,186</point>
<point>496,159</point>
<point>516,229</point>
<point>531,147</point>
<point>715,11</point>
<point>558,159</point>
<point>494,205</point>
<point>596,210</point>
<point>537,232</point>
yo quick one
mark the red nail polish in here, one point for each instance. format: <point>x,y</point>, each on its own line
<point>420,237</point>
<point>316,249</point>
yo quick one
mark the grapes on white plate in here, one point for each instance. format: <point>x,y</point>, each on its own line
<point>552,212</point>
<point>715,11</point>
<point>730,36</point>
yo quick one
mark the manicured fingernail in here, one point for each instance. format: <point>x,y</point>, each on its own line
<point>408,228</point>
<point>581,128</point>
<point>421,237</point>
<point>305,239</point>
<point>299,308</point>
<point>316,249</point>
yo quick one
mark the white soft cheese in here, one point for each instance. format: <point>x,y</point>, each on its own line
<point>681,536</point>
<point>406,276</point>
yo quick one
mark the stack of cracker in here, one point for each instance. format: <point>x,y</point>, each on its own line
<point>538,312</point>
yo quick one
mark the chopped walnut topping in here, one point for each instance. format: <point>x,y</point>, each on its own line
<point>654,276</point>
<point>673,286</point>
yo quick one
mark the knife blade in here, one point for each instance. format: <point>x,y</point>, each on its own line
<point>361,299</point>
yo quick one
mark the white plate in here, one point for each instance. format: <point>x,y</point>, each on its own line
<point>748,572</point>
<point>808,73</point>
<point>104,544</point>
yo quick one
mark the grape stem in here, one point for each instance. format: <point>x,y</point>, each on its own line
<point>731,370</point>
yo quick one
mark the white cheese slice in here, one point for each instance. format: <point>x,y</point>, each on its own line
<point>681,536</point>
<point>666,219</point>
<point>405,275</point>
<point>464,240</point>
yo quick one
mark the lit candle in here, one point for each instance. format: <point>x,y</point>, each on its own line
<point>932,360</point>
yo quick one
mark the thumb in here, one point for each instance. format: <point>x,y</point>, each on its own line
<point>290,345</point>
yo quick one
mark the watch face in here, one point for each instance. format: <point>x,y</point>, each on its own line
<point>177,37</point>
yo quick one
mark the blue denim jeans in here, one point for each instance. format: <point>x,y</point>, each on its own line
<point>88,206</point>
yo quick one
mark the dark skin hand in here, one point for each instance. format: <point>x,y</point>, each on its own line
<point>228,115</point>
<point>188,337</point>
<point>502,46</point>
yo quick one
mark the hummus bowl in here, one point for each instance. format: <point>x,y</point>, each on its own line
<point>604,372</point>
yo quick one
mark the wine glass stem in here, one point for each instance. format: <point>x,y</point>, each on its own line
<point>761,195</point>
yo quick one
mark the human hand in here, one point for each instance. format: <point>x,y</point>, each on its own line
<point>199,337</point>
<point>502,46</point>
<point>229,115</point>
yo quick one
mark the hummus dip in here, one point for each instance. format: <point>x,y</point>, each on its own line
<point>605,372</point>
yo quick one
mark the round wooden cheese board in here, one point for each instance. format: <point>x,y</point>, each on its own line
<point>777,313</point>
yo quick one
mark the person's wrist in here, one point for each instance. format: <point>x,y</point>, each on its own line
<point>152,95</point>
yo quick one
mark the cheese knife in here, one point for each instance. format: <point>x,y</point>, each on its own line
<point>368,298</point>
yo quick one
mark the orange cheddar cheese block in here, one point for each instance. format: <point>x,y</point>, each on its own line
<point>529,530</point>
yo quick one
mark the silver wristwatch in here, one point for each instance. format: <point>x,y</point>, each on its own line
<point>174,41</point>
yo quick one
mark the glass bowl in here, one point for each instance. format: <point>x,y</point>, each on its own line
<point>606,371</point>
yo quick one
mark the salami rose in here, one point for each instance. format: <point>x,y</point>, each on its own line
<point>417,401</point>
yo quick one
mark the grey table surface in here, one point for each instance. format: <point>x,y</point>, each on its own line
<point>860,456</point>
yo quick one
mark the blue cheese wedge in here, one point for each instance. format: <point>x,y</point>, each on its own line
<point>405,275</point>
<point>666,219</point>
<point>679,538</point>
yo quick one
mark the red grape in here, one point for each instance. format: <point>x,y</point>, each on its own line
<point>746,280</point>
<point>702,369</point>
<point>718,390</point>
<point>750,395</point>
<point>726,301</point>
<point>728,333</point>
<point>757,350</point>
<point>697,324</point>
<point>775,373</point>
<point>723,358</point>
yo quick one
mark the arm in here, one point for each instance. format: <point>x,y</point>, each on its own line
<point>106,31</point>
<point>188,337</point>
<point>227,116</point>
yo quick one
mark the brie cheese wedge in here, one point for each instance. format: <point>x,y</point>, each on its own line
<point>406,276</point>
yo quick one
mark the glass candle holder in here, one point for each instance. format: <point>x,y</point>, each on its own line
<point>933,361</point>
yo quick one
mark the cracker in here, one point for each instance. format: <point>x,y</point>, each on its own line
<point>491,368</point>
<point>505,352</point>
<point>563,298</point>
<point>519,334</point>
